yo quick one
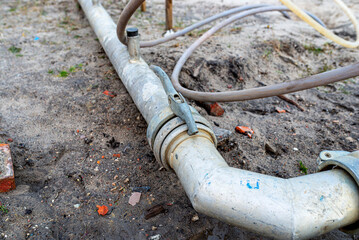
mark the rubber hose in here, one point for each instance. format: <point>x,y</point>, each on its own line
<point>126,15</point>
<point>327,33</point>
<point>261,92</point>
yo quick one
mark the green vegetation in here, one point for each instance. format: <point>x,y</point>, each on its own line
<point>267,53</point>
<point>313,49</point>
<point>64,73</point>
<point>3,209</point>
<point>344,91</point>
<point>236,29</point>
<point>325,68</point>
<point>68,24</point>
<point>179,25</point>
<point>303,168</point>
<point>14,49</point>
<point>198,33</point>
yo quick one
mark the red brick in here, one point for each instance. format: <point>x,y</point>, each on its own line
<point>7,180</point>
<point>212,108</point>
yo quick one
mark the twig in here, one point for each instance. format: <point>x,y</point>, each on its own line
<point>286,99</point>
<point>291,102</point>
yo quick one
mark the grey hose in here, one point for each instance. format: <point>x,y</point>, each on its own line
<point>261,92</point>
<point>134,4</point>
<point>125,16</point>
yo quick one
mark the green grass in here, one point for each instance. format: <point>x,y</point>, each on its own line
<point>325,68</point>
<point>303,168</point>
<point>313,49</point>
<point>72,69</point>
<point>344,91</point>
<point>63,74</point>
<point>267,53</point>
<point>14,49</point>
<point>179,25</point>
<point>3,209</point>
<point>198,33</point>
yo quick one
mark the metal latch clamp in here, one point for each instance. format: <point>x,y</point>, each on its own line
<point>176,101</point>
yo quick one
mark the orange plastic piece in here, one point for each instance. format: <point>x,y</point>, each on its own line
<point>245,130</point>
<point>102,210</point>
<point>110,94</point>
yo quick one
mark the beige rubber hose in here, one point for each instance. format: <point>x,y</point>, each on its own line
<point>327,33</point>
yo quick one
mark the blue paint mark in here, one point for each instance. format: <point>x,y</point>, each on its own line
<point>256,186</point>
<point>321,198</point>
<point>36,38</point>
<point>209,183</point>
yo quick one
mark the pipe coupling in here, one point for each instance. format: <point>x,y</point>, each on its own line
<point>166,129</point>
<point>348,161</point>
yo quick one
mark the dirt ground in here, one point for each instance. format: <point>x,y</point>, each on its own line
<point>64,131</point>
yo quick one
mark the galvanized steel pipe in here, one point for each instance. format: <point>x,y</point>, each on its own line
<point>142,84</point>
<point>296,208</point>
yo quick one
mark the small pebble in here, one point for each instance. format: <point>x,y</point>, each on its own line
<point>295,149</point>
<point>350,139</point>
<point>195,218</point>
<point>155,237</point>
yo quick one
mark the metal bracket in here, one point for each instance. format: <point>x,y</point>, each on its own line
<point>176,101</point>
<point>349,161</point>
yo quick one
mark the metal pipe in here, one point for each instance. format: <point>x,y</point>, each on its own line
<point>142,84</point>
<point>296,208</point>
<point>300,207</point>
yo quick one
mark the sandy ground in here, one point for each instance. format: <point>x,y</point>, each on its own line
<point>64,132</point>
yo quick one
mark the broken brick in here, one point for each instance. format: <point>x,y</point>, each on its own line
<point>7,180</point>
<point>245,130</point>
<point>212,108</point>
<point>281,110</point>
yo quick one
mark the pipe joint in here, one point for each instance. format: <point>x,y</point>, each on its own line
<point>166,131</point>
<point>133,44</point>
<point>348,161</point>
